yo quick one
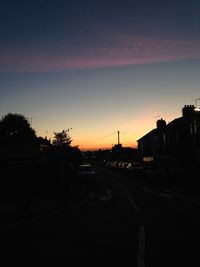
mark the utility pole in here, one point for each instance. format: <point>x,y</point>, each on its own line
<point>118,137</point>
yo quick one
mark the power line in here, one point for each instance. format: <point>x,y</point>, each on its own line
<point>107,135</point>
<point>131,134</point>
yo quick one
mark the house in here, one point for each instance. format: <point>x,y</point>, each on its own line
<point>179,138</point>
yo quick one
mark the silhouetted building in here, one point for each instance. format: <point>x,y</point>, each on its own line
<point>120,153</point>
<point>180,138</point>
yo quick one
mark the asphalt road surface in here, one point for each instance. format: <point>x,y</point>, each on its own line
<point>125,222</point>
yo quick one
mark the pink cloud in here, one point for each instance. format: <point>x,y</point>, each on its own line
<point>118,50</point>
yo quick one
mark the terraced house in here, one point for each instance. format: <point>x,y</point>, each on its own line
<point>179,138</point>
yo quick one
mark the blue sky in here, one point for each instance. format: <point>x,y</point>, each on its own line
<point>99,66</point>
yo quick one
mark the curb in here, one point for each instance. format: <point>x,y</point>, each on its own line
<point>31,218</point>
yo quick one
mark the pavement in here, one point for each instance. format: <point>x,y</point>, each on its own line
<point>188,186</point>
<point>54,198</point>
<point>32,189</point>
<point>189,192</point>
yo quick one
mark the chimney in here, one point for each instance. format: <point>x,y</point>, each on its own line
<point>188,111</point>
<point>161,124</point>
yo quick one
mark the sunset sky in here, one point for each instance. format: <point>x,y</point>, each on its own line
<point>99,66</point>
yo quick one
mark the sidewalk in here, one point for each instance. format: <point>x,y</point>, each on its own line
<point>188,191</point>
<point>188,187</point>
<point>40,187</point>
<point>55,199</point>
<point>45,202</point>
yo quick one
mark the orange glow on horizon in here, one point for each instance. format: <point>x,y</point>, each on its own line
<point>132,129</point>
<point>102,147</point>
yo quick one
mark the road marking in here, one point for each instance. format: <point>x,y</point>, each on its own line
<point>133,204</point>
<point>156,193</point>
<point>103,198</point>
<point>182,197</point>
<point>108,191</point>
<point>164,195</point>
<point>141,247</point>
<point>107,196</point>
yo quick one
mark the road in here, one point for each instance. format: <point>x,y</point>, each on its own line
<point>126,221</point>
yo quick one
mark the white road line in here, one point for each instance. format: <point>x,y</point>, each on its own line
<point>108,191</point>
<point>181,196</point>
<point>147,189</point>
<point>103,198</point>
<point>107,196</point>
<point>156,193</point>
<point>141,247</point>
<point>118,183</point>
<point>133,204</point>
<point>164,195</point>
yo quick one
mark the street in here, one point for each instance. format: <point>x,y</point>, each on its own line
<point>125,222</point>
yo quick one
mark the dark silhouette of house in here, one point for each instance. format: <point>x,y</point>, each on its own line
<point>179,139</point>
<point>120,153</point>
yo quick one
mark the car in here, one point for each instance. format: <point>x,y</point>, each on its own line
<point>135,168</point>
<point>109,164</point>
<point>85,174</point>
<point>124,165</point>
<point>164,167</point>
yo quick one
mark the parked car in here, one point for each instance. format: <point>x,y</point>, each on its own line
<point>135,168</point>
<point>164,167</point>
<point>109,164</point>
<point>85,174</point>
<point>124,165</point>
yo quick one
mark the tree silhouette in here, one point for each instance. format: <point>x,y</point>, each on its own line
<point>62,139</point>
<point>15,129</point>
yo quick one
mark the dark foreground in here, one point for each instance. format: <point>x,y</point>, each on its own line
<point>125,221</point>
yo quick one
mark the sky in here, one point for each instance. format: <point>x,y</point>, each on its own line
<point>96,67</point>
